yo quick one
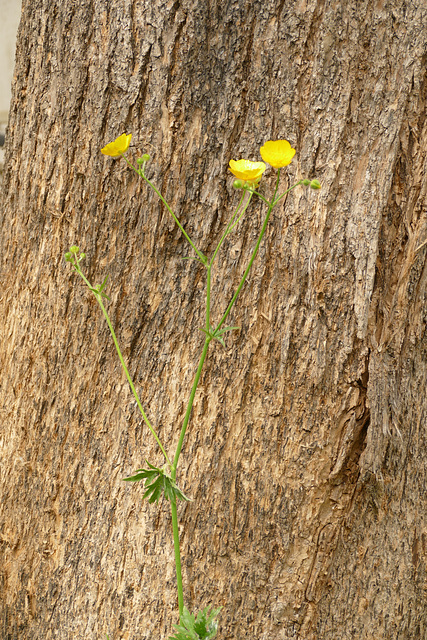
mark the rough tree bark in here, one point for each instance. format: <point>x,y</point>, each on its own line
<point>306,451</point>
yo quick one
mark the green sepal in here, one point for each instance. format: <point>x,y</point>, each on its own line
<point>204,627</point>
<point>157,481</point>
<point>221,331</point>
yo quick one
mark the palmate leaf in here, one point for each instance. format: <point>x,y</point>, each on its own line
<point>204,627</point>
<point>157,482</point>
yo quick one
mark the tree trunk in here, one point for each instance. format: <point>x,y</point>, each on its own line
<point>305,454</point>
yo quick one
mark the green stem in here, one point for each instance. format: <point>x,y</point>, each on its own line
<point>248,268</point>
<point>190,406</point>
<point>208,297</point>
<point>177,556</point>
<point>287,191</point>
<point>180,443</point>
<point>202,257</point>
<point>251,193</point>
<point>257,193</point>
<point>173,473</point>
<point>227,230</point>
<point>125,369</point>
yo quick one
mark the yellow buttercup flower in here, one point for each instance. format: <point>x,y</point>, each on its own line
<point>118,146</point>
<point>247,170</point>
<point>278,153</point>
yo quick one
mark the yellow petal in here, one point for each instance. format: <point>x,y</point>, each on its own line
<point>118,146</point>
<point>278,153</point>
<point>247,170</point>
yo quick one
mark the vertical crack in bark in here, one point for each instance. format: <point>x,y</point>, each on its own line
<point>355,421</point>
<point>342,485</point>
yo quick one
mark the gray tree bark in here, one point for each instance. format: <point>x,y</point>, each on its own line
<point>305,455</point>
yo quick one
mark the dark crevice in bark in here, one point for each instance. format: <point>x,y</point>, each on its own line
<point>353,434</point>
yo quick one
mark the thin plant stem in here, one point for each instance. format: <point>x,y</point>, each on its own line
<point>190,406</point>
<point>248,268</point>
<point>208,298</point>
<point>228,228</point>
<point>244,209</point>
<point>174,513</point>
<point>125,369</point>
<point>209,333</point>
<point>177,552</point>
<point>196,382</point>
<point>141,173</point>
<point>287,191</point>
<point>221,322</point>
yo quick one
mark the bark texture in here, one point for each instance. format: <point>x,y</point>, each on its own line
<point>305,455</point>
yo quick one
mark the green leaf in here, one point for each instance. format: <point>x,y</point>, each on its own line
<point>135,478</point>
<point>192,258</point>
<point>216,335</point>
<point>204,627</point>
<point>154,489</point>
<point>101,286</point>
<point>157,482</point>
<point>224,329</point>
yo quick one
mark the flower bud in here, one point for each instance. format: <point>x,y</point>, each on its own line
<point>74,249</point>
<point>82,256</point>
<point>315,184</point>
<point>68,256</point>
<point>306,182</point>
<point>145,158</point>
<point>238,184</point>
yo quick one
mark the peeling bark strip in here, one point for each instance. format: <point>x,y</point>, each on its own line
<point>309,521</point>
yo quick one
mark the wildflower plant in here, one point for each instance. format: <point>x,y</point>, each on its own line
<point>161,482</point>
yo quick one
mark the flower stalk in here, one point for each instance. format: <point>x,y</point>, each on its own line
<point>162,481</point>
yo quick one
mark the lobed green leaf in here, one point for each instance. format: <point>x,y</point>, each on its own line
<point>157,482</point>
<point>204,627</point>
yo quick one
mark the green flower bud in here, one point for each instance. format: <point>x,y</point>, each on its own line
<point>238,184</point>
<point>68,256</point>
<point>315,184</point>
<point>306,182</point>
<point>144,158</point>
<point>74,249</point>
<point>82,256</point>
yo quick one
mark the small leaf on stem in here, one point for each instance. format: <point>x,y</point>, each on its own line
<point>157,481</point>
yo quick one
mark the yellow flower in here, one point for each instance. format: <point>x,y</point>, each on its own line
<point>247,170</point>
<point>278,153</point>
<point>119,146</point>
